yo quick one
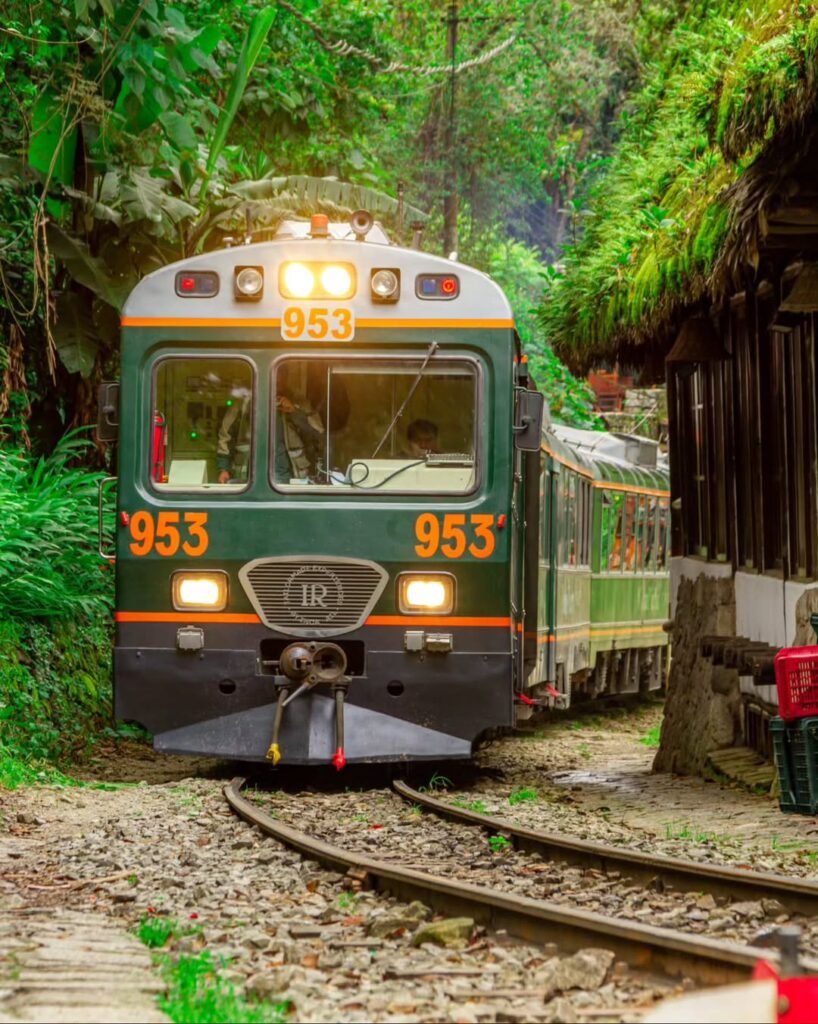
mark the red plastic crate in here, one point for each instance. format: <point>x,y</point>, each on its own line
<point>796,679</point>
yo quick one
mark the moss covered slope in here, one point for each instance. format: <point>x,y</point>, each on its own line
<point>666,224</point>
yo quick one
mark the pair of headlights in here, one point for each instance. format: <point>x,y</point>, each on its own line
<point>312,280</point>
<point>207,591</point>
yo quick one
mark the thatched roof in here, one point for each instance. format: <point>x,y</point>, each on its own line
<point>713,172</point>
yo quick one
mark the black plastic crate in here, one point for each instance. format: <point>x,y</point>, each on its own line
<point>795,745</point>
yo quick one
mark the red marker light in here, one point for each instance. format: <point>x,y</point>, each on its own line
<point>501,521</point>
<point>448,285</point>
<point>187,284</point>
<point>124,518</point>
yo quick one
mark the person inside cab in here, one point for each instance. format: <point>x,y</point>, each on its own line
<point>421,440</point>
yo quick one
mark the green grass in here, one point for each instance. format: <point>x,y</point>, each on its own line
<point>15,772</point>
<point>651,737</point>
<point>499,844</point>
<point>478,806</point>
<point>155,931</point>
<point>436,783</point>
<point>198,994</point>
<point>584,751</point>
<point>347,901</point>
<point>523,796</point>
<point>678,830</point>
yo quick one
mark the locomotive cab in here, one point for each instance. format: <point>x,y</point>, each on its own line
<point>317,553</point>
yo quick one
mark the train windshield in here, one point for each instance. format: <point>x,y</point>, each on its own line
<point>373,426</point>
<point>201,427</point>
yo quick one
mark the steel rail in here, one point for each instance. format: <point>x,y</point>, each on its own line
<point>674,873</point>
<point>675,954</point>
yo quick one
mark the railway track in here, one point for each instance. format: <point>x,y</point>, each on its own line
<point>705,960</point>
<point>796,895</point>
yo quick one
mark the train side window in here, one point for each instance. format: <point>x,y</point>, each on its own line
<point>586,522</point>
<point>641,534</point>
<point>571,520</point>
<point>616,560</point>
<point>662,534</point>
<point>605,531</point>
<point>545,516</point>
<point>201,431</point>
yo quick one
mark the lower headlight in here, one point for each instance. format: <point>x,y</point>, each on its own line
<point>427,593</point>
<point>199,591</point>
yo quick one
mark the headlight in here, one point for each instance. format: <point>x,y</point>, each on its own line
<point>427,593</point>
<point>248,283</point>
<point>199,591</point>
<point>336,280</point>
<point>310,280</point>
<point>297,281</point>
<point>385,285</point>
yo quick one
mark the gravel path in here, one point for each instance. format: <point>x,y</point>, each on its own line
<point>288,929</point>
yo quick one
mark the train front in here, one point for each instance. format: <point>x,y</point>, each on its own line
<point>316,473</point>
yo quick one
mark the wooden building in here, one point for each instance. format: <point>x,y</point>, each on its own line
<point>721,299</point>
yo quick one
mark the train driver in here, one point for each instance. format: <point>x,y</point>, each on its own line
<point>421,440</point>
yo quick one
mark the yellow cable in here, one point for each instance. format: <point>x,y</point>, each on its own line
<point>274,754</point>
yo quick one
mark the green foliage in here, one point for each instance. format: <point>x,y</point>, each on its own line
<point>49,564</point>
<point>55,693</point>
<point>520,272</point>
<point>723,82</point>
<point>155,930</point>
<point>16,772</point>
<point>651,737</point>
<point>522,795</point>
<point>199,994</point>
<point>478,806</point>
<point>436,783</point>
<point>499,844</point>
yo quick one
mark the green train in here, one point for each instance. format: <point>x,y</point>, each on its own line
<point>345,530</point>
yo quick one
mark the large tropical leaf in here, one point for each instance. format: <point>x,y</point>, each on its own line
<point>92,207</point>
<point>303,193</point>
<point>84,268</point>
<point>52,145</point>
<point>145,197</point>
<point>74,333</point>
<point>250,50</point>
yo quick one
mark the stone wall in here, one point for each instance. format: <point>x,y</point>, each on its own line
<point>703,706</point>
<point>644,412</point>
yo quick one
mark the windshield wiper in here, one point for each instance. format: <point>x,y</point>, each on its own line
<point>432,349</point>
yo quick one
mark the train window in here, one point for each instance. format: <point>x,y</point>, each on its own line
<point>202,425</point>
<point>375,425</point>
<point>662,534</point>
<point>615,527</point>
<point>585,523</point>
<point>641,535</point>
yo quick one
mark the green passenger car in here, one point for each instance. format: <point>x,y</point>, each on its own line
<point>340,534</point>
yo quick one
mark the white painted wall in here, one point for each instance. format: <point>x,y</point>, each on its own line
<point>765,607</point>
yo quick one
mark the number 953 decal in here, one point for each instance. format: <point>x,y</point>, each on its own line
<point>455,536</point>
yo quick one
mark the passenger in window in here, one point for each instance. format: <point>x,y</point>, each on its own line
<point>233,442</point>
<point>299,435</point>
<point>632,549</point>
<point>421,440</point>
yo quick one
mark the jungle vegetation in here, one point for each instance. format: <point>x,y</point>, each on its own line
<point>135,132</point>
<point>678,197</point>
